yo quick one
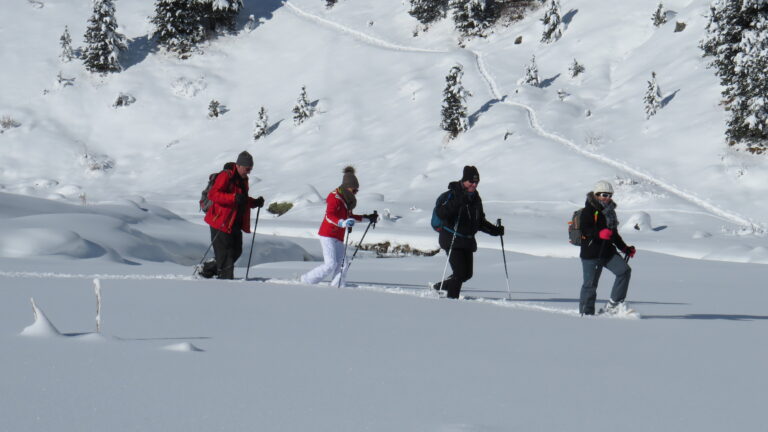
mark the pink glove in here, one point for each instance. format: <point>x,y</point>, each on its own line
<point>605,234</point>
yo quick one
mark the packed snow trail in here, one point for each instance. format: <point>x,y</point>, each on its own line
<point>752,226</point>
<point>413,291</point>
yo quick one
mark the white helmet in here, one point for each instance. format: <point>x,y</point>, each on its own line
<point>602,186</point>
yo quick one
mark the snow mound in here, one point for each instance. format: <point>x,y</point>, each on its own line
<point>183,347</point>
<point>42,327</point>
<point>640,221</point>
<point>31,242</point>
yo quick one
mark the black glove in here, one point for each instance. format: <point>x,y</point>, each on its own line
<point>240,200</point>
<point>499,230</point>
<point>258,202</point>
<point>373,217</point>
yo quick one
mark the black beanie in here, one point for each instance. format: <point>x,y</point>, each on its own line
<point>245,159</point>
<point>470,174</point>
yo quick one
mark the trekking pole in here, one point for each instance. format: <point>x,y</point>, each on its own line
<point>363,237</point>
<point>450,249</point>
<point>504,255</point>
<point>206,252</point>
<point>344,258</point>
<point>255,224</point>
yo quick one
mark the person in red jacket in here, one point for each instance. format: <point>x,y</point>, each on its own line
<point>338,217</point>
<point>229,215</point>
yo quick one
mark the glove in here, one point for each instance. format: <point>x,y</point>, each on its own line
<point>500,230</point>
<point>605,234</point>
<point>630,250</point>
<point>258,202</point>
<point>346,223</point>
<point>373,217</point>
<point>240,199</point>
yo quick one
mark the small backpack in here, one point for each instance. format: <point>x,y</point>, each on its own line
<point>205,203</point>
<point>574,228</point>
<point>437,223</point>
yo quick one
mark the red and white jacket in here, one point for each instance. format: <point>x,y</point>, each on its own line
<point>335,211</point>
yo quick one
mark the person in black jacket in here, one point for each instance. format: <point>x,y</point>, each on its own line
<point>600,237</point>
<point>462,213</point>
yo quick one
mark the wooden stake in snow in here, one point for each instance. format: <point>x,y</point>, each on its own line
<point>97,289</point>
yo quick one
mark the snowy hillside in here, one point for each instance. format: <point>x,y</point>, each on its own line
<point>89,190</point>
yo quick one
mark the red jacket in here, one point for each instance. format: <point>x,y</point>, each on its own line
<point>221,215</point>
<point>335,211</point>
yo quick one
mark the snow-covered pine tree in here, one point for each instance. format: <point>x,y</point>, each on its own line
<point>223,14</point>
<point>737,41</point>
<point>66,46</point>
<point>652,97</point>
<point>552,23</point>
<point>302,110</point>
<point>213,109</point>
<point>428,11</point>
<point>330,3</point>
<point>659,17</point>
<point>262,125</point>
<point>178,26</point>
<point>454,110</point>
<point>469,17</point>
<point>576,69</point>
<point>102,41</point>
<point>532,73</point>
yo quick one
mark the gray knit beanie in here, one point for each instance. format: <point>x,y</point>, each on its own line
<point>349,180</point>
<point>245,159</point>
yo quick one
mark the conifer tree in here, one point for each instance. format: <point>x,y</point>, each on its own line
<point>469,16</point>
<point>428,11</point>
<point>576,69</point>
<point>178,26</point>
<point>738,44</point>
<point>262,125</point>
<point>66,46</point>
<point>302,110</point>
<point>552,23</point>
<point>532,73</point>
<point>223,14</point>
<point>213,108</point>
<point>103,42</point>
<point>454,110</point>
<point>652,97</point>
<point>659,17</point>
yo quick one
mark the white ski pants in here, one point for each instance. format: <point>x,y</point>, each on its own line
<point>333,255</point>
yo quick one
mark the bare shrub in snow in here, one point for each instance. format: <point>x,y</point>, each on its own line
<point>123,99</point>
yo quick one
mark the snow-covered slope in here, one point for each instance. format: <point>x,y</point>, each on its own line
<point>89,191</point>
<point>378,92</point>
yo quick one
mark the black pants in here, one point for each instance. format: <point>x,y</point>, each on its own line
<point>227,248</point>
<point>461,267</point>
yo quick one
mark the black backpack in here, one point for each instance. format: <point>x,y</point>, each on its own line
<point>205,203</point>
<point>574,228</point>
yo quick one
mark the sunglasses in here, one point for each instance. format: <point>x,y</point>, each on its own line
<point>604,194</point>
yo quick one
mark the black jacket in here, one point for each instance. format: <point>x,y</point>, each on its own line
<point>467,209</point>
<point>592,246</point>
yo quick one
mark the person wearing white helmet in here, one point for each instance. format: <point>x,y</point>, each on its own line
<point>599,228</point>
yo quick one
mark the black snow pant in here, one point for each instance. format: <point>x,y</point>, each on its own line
<point>461,268</point>
<point>227,248</point>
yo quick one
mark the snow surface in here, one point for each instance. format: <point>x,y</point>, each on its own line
<point>88,190</point>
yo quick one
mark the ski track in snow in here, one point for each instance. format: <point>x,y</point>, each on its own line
<point>384,288</point>
<point>734,218</point>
